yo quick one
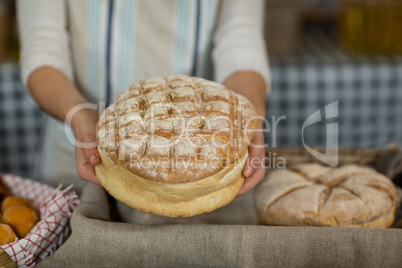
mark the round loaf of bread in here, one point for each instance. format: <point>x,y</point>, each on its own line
<point>311,194</point>
<point>175,146</point>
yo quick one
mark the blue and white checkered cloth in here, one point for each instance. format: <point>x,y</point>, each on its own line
<point>368,91</point>
<point>20,124</point>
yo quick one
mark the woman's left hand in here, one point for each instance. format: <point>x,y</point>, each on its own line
<point>254,169</point>
<point>252,86</point>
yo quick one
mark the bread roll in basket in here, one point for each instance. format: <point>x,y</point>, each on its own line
<point>311,194</point>
<point>175,146</point>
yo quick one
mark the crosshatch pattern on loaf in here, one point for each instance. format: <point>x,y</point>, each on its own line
<point>176,128</point>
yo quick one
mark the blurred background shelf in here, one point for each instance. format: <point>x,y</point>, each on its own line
<point>319,44</point>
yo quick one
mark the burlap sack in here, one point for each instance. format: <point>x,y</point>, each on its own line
<point>97,242</point>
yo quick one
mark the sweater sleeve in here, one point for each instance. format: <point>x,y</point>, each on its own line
<point>238,41</point>
<point>43,36</point>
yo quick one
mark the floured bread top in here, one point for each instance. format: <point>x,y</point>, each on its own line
<point>176,129</point>
<point>311,194</point>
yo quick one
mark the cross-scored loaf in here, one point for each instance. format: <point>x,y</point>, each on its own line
<point>176,129</point>
<point>175,146</point>
<point>311,194</point>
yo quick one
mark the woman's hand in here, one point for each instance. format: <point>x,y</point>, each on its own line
<point>254,169</point>
<point>87,156</point>
<point>252,86</point>
<point>58,96</point>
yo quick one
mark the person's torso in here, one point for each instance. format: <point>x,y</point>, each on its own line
<point>117,42</point>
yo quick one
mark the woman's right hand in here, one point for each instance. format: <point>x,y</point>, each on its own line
<point>87,157</point>
<point>59,97</point>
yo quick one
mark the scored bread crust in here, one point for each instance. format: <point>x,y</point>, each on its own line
<point>176,129</point>
<point>171,200</point>
<point>311,194</point>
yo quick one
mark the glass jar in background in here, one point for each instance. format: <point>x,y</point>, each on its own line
<point>3,29</point>
<point>372,26</point>
<point>13,44</point>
